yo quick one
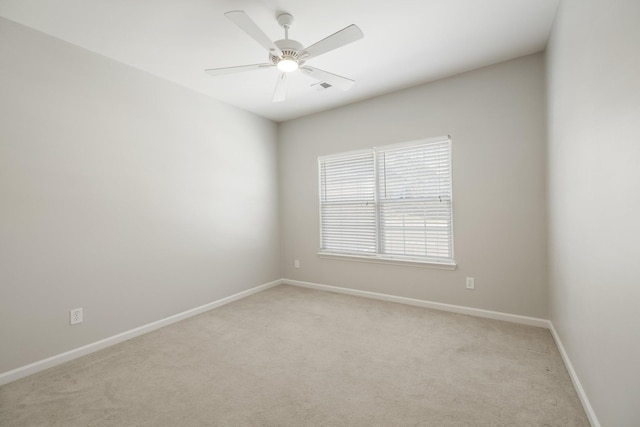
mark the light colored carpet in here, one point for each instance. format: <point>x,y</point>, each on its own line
<point>297,357</point>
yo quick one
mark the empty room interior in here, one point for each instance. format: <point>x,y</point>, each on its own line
<point>285,212</point>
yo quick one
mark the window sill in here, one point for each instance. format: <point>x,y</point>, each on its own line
<point>392,261</point>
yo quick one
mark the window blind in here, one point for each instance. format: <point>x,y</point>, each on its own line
<point>347,204</point>
<point>392,202</point>
<point>415,201</point>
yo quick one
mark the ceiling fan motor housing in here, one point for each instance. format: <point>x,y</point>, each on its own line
<point>291,50</point>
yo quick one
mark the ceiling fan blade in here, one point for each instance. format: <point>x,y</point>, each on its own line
<point>239,69</point>
<point>340,82</point>
<point>242,20</point>
<point>281,88</point>
<point>343,37</point>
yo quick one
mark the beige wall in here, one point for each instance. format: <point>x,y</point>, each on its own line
<point>495,116</point>
<point>594,199</point>
<point>120,193</point>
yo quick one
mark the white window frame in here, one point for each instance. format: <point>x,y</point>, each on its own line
<point>377,256</point>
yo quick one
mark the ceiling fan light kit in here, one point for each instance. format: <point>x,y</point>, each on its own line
<point>287,65</point>
<point>290,59</point>
<point>289,55</point>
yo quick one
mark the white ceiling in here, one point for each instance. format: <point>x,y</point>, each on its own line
<point>406,42</point>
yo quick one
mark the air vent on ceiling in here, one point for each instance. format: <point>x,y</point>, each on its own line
<point>321,86</point>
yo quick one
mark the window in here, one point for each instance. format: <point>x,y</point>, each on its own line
<point>389,203</point>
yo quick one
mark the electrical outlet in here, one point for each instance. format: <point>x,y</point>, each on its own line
<point>296,263</point>
<point>75,316</point>
<point>471,283</point>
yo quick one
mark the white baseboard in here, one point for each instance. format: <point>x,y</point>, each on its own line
<point>514,318</point>
<point>574,378</point>
<point>15,374</point>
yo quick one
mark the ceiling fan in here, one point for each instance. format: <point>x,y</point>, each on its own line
<point>289,55</point>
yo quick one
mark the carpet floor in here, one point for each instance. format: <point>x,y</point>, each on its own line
<point>290,356</point>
